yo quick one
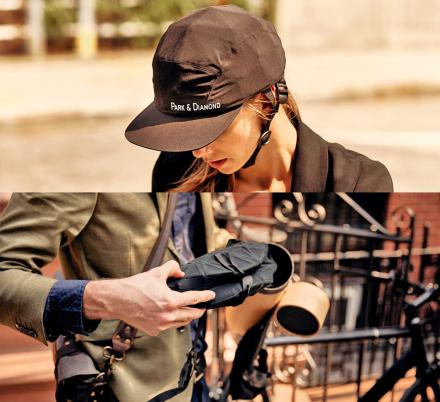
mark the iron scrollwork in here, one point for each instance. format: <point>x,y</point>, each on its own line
<point>284,211</point>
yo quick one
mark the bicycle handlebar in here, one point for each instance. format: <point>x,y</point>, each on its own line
<point>430,294</point>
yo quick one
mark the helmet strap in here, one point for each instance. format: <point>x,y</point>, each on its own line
<point>264,140</point>
<point>280,97</point>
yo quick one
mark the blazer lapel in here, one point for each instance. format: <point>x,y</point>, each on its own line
<point>311,162</point>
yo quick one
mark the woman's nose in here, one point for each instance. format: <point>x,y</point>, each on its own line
<point>198,153</point>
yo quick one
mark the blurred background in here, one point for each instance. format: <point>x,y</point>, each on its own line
<point>74,72</point>
<point>360,250</point>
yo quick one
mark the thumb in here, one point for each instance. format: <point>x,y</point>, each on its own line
<point>171,269</point>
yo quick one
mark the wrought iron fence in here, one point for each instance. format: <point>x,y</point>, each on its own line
<point>359,265</point>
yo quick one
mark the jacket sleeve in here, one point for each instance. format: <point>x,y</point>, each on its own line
<point>374,177</point>
<point>32,229</point>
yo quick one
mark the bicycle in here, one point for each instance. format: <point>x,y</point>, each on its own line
<point>427,374</point>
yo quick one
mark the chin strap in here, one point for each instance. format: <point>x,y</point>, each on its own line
<point>281,97</point>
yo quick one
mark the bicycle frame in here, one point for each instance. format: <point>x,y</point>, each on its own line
<point>426,375</point>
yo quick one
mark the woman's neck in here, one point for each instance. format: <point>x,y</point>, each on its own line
<point>273,168</point>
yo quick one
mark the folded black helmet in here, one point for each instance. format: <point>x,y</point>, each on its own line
<point>233,273</point>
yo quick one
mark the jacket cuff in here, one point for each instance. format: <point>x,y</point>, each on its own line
<point>26,292</point>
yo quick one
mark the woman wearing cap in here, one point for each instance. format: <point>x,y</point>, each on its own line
<point>226,121</point>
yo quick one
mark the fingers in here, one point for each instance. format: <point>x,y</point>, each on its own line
<point>184,316</point>
<point>187,314</point>
<point>193,297</point>
<point>171,269</point>
<point>178,318</point>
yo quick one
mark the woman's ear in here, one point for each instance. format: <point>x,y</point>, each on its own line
<point>262,104</point>
<point>273,89</point>
<point>266,103</point>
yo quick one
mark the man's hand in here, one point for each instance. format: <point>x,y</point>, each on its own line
<point>144,300</point>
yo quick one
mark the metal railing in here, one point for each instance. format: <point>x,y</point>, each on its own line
<point>363,332</point>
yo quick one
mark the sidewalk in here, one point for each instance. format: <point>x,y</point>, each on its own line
<point>120,83</point>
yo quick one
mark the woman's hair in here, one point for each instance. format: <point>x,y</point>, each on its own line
<point>200,177</point>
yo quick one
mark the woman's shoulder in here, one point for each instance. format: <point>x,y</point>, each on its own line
<point>324,166</point>
<point>353,171</point>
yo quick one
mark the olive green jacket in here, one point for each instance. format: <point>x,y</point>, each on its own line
<point>96,236</point>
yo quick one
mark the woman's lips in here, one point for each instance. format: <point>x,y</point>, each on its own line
<point>217,164</point>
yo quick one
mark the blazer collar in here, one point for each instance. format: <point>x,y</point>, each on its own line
<point>311,161</point>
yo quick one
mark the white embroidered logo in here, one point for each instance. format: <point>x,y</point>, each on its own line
<point>194,107</point>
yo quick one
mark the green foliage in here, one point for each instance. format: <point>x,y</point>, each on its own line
<point>156,11</point>
<point>56,17</point>
<point>241,3</point>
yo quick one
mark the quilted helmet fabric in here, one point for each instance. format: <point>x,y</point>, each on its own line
<point>233,273</point>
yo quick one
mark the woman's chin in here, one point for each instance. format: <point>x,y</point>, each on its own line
<point>226,170</point>
<point>223,170</point>
<point>224,167</point>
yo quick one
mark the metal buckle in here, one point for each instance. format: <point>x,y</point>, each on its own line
<point>199,376</point>
<point>98,377</point>
<point>265,138</point>
<point>109,354</point>
<point>98,390</point>
<point>247,282</point>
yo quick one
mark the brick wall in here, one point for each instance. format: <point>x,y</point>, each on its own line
<point>10,20</point>
<point>260,205</point>
<point>426,206</point>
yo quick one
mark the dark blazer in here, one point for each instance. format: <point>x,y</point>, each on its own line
<point>318,166</point>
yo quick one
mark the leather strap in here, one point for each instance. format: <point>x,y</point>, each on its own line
<point>155,257</point>
<point>123,337</point>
